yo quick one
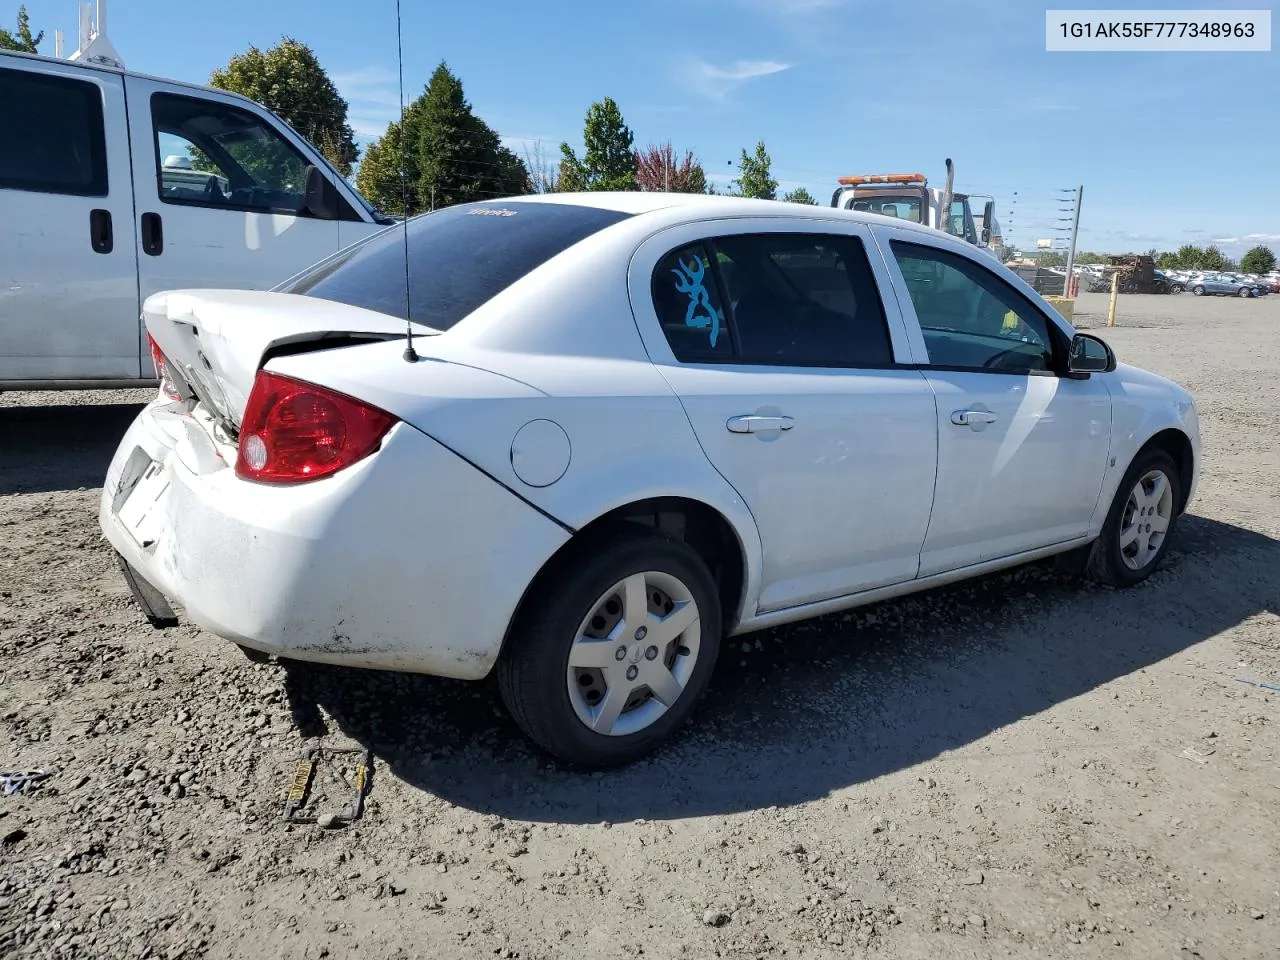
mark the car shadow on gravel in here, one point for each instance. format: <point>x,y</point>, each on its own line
<point>44,449</point>
<point>795,713</point>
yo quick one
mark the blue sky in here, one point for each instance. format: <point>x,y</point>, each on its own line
<point>832,86</point>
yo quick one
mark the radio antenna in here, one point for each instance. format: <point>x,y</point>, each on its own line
<point>410,355</point>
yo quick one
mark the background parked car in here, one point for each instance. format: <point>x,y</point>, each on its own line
<point>1221,285</point>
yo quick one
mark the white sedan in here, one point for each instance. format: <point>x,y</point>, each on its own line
<point>624,426</point>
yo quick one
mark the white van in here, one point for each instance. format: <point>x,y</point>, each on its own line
<point>115,185</point>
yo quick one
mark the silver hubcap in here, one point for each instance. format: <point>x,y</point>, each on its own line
<point>1146,519</point>
<point>634,654</point>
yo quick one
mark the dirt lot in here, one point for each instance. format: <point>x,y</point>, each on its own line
<point>1021,766</point>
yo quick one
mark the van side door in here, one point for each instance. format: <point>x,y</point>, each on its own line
<point>68,262</point>
<point>220,188</point>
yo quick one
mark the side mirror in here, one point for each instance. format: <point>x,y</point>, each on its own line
<point>321,197</point>
<point>1089,354</point>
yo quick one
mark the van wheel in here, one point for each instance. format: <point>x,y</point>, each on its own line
<point>1136,532</point>
<point>614,650</point>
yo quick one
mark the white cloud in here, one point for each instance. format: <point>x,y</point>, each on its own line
<point>373,99</point>
<point>716,83</point>
<point>1250,238</point>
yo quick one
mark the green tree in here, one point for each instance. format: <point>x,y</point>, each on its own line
<point>443,151</point>
<point>22,41</point>
<point>609,162</point>
<point>799,195</point>
<point>754,177</point>
<point>657,170</point>
<point>1190,257</point>
<point>1167,261</point>
<point>1259,259</point>
<point>288,80</point>
<point>1214,259</point>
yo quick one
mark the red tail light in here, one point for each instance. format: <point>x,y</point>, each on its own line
<point>161,363</point>
<point>294,431</point>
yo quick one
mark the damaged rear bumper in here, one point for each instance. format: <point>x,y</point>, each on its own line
<point>390,564</point>
<point>154,604</point>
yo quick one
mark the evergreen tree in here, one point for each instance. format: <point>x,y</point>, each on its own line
<point>610,161</point>
<point>449,155</point>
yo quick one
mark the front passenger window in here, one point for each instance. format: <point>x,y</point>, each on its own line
<point>969,318</point>
<point>213,154</point>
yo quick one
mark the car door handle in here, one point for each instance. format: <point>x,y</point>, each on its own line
<point>967,418</point>
<point>152,234</point>
<point>100,234</point>
<point>758,424</point>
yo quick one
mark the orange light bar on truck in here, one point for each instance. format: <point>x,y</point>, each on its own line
<point>884,178</point>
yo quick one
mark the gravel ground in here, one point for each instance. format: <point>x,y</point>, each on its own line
<point>1021,766</point>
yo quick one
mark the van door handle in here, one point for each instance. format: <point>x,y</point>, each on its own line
<point>100,234</point>
<point>969,418</point>
<point>152,234</point>
<point>758,424</point>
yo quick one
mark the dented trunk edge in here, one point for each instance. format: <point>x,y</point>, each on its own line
<point>217,340</point>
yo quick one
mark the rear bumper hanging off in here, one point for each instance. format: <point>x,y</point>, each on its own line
<point>153,603</point>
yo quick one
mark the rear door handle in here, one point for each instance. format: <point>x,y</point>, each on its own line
<point>100,233</point>
<point>757,424</point>
<point>152,234</point>
<point>967,418</point>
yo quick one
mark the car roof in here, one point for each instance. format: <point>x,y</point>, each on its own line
<point>107,68</point>
<point>702,206</point>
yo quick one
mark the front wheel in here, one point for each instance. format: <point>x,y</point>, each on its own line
<point>1136,532</point>
<point>1176,288</point>
<point>1245,292</point>
<point>614,649</point>
<point>1198,291</point>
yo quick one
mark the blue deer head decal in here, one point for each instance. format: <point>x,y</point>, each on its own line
<point>701,315</point>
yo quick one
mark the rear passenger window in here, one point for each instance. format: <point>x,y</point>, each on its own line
<point>686,296</point>
<point>789,299</point>
<point>53,137</point>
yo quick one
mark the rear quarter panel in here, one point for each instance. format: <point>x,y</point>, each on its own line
<point>560,345</point>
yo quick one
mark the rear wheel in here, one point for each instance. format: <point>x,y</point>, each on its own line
<point>614,648</point>
<point>1136,532</point>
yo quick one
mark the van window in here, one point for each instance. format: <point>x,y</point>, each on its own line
<point>53,135</point>
<point>215,155</point>
<point>459,258</point>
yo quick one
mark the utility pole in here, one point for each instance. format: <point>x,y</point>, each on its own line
<point>1071,252</point>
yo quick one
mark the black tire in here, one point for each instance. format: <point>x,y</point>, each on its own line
<point>1245,292</point>
<point>1176,288</point>
<point>532,671</point>
<point>1198,291</point>
<point>1106,563</point>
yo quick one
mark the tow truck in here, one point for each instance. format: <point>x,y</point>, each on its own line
<point>908,196</point>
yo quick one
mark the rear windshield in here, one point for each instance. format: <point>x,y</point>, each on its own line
<point>459,258</point>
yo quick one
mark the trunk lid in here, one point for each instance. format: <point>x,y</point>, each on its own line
<point>215,339</point>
